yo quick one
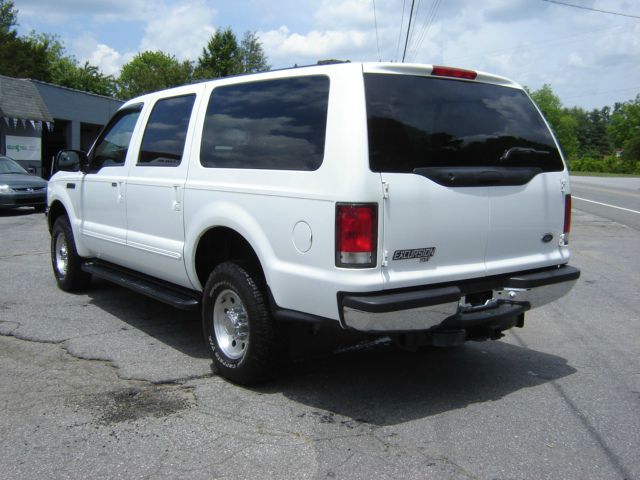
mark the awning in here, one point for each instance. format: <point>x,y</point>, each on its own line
<point>21,102</point>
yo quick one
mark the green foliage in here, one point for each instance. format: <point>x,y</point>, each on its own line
<point>66,71</point>
<point>223,56</point>
<point>252,55</point>
<point>21,59</point>
<point>41,56</point>
<point>8,16</point>
<point>589,139</point>
<point>151,71</point>
<point>625,121</point>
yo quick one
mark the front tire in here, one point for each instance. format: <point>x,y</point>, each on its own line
<point>65,260</point>
<point>238,327</point>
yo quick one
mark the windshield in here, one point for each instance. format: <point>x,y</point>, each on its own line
<point>10,166</point>
<point>419,122</point>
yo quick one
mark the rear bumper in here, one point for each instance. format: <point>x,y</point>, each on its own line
<point>446,306</point>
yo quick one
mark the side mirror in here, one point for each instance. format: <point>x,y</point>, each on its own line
<point>70,161</point>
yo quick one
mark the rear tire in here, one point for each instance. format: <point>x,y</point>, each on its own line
<point>65,260</point>
<point>237,325</point>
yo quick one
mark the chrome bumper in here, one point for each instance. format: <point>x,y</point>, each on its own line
<point>446,307</point>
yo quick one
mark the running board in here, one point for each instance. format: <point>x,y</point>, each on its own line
<point>174,295</point>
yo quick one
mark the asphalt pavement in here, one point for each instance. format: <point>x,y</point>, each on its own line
<point>109,384</point>
<point>615,198</point>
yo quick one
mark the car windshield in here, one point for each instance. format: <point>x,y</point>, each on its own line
<point>8,165</point>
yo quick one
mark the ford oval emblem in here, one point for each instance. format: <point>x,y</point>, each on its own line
<point>547,238</point>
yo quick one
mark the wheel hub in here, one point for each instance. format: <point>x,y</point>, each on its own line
<point>62,254</point>
<point>231,324</point>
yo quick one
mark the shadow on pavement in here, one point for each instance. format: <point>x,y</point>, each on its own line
<point>375,383</point>
<point>385,386</point>
<point>175,328</point>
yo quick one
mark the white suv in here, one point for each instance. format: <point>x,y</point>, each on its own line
<point>426,203</point>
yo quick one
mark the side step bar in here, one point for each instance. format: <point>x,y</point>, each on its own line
<point>176,296</point>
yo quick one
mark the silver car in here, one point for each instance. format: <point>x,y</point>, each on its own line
<point>19,188</point>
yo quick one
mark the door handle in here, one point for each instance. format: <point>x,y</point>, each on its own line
<point>177,204</point>
<point>120,194</point>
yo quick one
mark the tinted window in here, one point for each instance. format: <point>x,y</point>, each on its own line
<point>112,145</point>
<point>428,122</point>
<point>166,131</point>
<point>275,124</point>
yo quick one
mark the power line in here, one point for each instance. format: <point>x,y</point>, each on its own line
<point>408,30</point>
<point>591,9</point>
<point>375,22</point>
<point>400,31</point>
<point>529,46</point>
<point>431,16</point>
<point>412,36</point>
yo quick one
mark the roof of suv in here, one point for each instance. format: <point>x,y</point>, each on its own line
<point>367,67</point>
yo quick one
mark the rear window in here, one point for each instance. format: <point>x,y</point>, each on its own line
<point>419,122</point>
<point>275,124</point>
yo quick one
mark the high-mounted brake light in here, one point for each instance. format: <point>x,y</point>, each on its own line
<point>453,72</point>
<point>566,229</point>
<point>356,235</point>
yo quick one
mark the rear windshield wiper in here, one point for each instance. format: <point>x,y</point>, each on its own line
<point>521,151</point>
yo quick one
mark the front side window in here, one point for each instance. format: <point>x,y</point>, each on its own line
<point>112,145</point>
<point>166,131</point>
<point>417,122</point>
<point>275,124</point>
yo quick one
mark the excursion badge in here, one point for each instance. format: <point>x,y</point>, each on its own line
<point>424,254</point>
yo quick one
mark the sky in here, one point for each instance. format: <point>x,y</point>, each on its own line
<point>590,59</point>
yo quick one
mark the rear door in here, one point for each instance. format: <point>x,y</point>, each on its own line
<point>470,168</point>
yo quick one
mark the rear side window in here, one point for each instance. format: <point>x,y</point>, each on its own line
<point>419,122</point>
<point>166,131</point>
<point>275,124</point>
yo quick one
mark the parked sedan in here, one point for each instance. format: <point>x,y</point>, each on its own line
<point>19,188</point>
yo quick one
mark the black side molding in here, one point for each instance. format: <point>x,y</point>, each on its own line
<point>174,295</point>
<point>478,176</point>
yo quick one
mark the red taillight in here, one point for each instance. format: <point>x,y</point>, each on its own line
<point>356,235</point>
<point>453,72</point>
<point>567,216</point>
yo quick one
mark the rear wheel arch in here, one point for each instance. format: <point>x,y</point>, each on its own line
<point>223,244</point>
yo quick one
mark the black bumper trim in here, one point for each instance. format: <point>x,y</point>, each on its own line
<point>429,295</point>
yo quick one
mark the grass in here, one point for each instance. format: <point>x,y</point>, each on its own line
<point>602,174</point>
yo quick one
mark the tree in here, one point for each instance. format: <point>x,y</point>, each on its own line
<point>65,70</point>
<point>20,59</point>
<point>223,56</point>
<point>8,16</point>
<point>625,121</point>
<point>151,71</point>
<point>562,122</point>
<point>252,55</point>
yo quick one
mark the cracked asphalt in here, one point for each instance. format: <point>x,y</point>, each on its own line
<point>109,384</point>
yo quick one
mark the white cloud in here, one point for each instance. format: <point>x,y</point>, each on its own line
<point>182,29</point>
<point>288,47</point>
<point>107,59</point>
<point>575,60</point>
